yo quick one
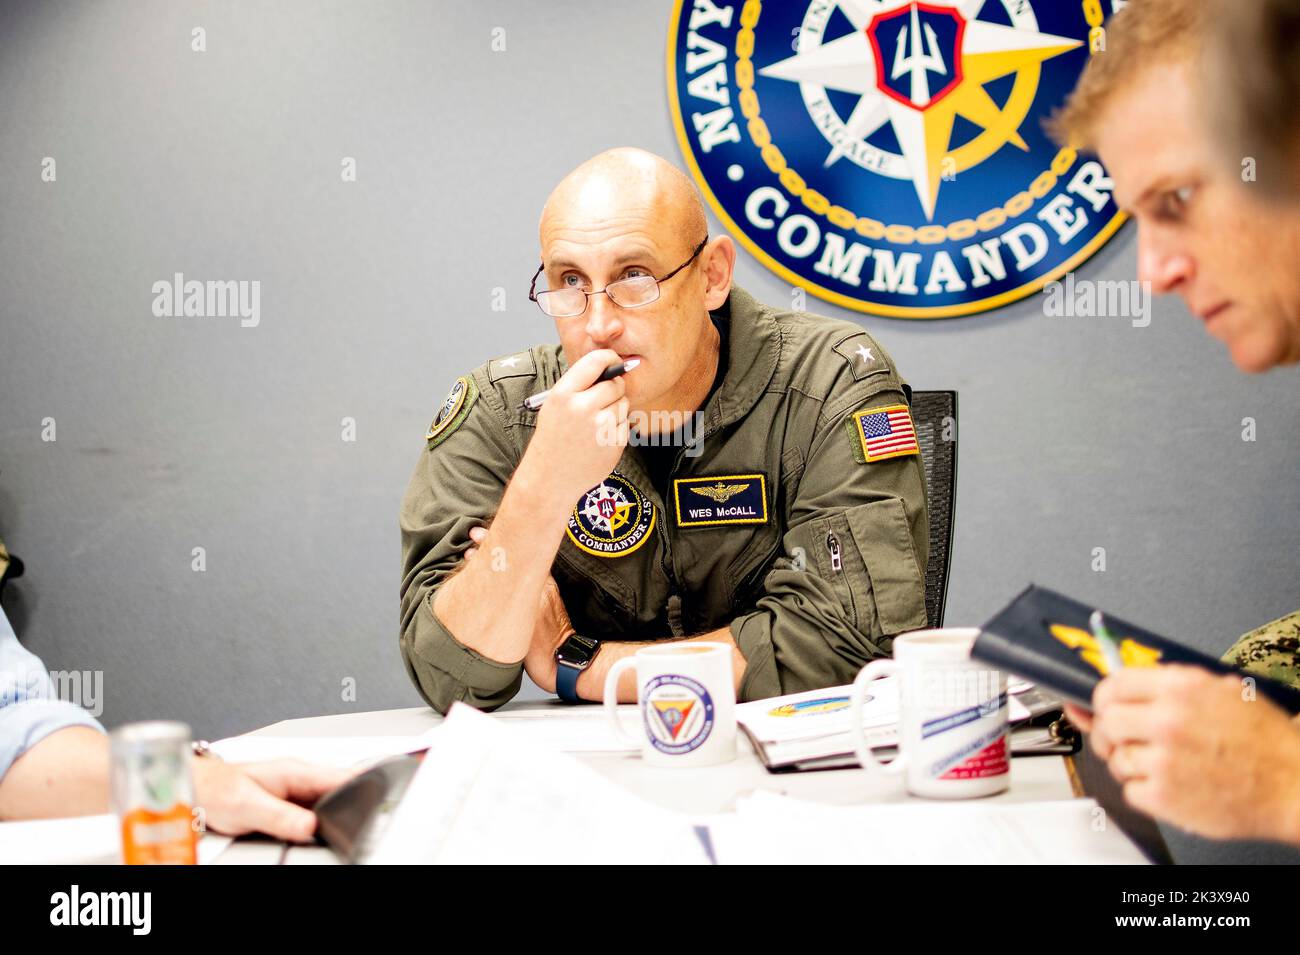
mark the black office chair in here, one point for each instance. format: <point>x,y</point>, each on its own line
<point>931,411</point>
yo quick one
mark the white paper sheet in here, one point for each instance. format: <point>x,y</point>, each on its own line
<point>345,752</point>
<point>487,794</point>
<point>586,733</point>
<point>770,829</point>
<point>799,715</point>
<point>89,840</point>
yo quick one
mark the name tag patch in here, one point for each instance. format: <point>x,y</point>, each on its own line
<point>721,499</point>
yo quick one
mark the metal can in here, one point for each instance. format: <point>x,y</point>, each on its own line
<point>153,793</point>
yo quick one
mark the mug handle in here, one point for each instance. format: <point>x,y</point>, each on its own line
<point>611,700</point>
<point>872,766</point>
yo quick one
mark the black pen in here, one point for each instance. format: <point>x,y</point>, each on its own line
<point>533,402</point>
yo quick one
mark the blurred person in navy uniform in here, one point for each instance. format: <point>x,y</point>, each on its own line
<point>1192,748</point>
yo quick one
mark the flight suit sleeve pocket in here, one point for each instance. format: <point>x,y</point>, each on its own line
<point>897,583</point>
<point>838,562</point>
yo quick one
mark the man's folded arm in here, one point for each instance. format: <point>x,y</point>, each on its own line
<point>457,484</point>
<point>853,572</point>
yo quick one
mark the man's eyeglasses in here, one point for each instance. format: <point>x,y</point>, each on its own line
<point>632,292</point>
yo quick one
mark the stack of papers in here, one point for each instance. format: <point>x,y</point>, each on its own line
<point>486,794</point>
<point>811,730</point>
<point>800,726</point>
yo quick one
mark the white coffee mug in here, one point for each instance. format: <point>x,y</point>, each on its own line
<point>952,731</point>
<point>687,697</point>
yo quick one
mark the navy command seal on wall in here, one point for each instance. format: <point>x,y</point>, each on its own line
<point>889,155</point>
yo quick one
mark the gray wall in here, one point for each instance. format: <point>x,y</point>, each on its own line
<point>177,433</point>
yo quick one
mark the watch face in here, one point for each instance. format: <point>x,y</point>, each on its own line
<point>576,651</point>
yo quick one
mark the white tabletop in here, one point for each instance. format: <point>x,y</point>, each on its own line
<point>703,790</point>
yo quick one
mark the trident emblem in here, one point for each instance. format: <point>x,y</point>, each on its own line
<point>912,60</point>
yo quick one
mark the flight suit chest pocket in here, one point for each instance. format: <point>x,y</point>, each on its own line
<point>866,554</point>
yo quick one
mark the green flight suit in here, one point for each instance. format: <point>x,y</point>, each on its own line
<point>787,520</point>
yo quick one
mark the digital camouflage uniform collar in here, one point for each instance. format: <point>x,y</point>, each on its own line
<point>1272,650</point>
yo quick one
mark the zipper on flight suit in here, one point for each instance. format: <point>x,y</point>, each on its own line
<point>674,604</point>
<point>673,586</point>
<point>833,547</point>
<point>837,566</point>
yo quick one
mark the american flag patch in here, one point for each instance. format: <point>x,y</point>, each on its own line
<point>886,432</point>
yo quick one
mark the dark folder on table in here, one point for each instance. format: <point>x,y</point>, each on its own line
<point>1044,637</point>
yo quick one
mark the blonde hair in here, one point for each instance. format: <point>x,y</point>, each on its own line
<point>1252,89</point>
<point>1145,33</point>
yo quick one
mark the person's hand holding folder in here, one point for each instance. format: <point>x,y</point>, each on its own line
<point>1199,750</point>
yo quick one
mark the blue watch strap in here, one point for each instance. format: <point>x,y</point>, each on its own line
<point>566,683</point>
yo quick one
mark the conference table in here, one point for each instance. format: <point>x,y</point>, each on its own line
<point>716,789</point>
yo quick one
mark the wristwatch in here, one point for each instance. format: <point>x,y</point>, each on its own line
<point>572,657</point>
<point>201,747</point>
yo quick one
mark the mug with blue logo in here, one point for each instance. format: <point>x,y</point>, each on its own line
<point>687,698</point>
<point>952,728</point>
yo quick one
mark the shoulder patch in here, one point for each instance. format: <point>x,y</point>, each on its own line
<point>512,366</point>
<point>862,354</point>
<point>454,410</point>
<point>879,434</point>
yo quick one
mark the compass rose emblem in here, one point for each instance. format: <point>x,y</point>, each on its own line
<point>890,155</point>
<point>612,519</point>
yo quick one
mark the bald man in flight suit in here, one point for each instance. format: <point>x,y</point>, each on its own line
<point>754,480</point>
